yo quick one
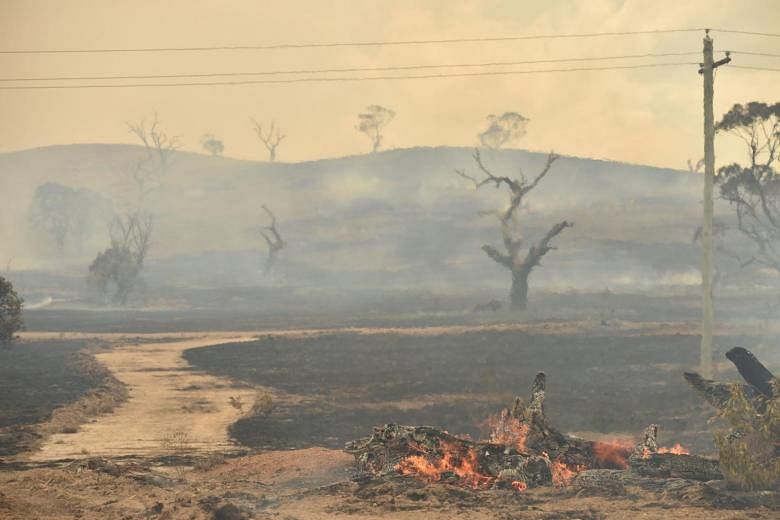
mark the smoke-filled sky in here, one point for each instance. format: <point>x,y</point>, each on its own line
<point>651,116</point>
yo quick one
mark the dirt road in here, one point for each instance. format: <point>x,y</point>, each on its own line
<point>166,399</point>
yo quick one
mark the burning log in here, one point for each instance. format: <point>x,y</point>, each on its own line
<point>524,450</point>
<point>648,460</point>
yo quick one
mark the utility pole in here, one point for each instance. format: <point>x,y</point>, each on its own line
<point>708,310</point>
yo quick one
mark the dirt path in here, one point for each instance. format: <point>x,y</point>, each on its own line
<point>166,397</point>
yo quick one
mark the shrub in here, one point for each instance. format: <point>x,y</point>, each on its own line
<point>263,405</point>
<point>10,311</point>
<point>749,455</point>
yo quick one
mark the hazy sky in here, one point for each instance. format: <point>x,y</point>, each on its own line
<point>650,116</point>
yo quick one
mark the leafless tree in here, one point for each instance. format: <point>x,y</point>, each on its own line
<point>212,145</point>
<point>697,167</point>
<point>273,239</point>
<point>118,268</point>
<point>373,121</point>
<point>270,139</point>
<point>143,179</point>
<point>753,190</point>
<point>156,142</point>
<point>512,258</point>
<point>503,129</point>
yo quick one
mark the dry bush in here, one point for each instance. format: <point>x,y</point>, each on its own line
<point>263,405</point>
<point>177,441</point>
<point>749,455</point>
<point>235,402</point>
<point>209,462</point>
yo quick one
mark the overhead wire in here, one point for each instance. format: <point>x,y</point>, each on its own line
<point>349,69</point>
<point>344,78</point>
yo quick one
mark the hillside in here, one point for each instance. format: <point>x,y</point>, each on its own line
<point>392,219</point>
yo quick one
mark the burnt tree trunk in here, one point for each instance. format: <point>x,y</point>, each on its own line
<point>762,384</point>
<point>754,372</point>
<point>518,295</point>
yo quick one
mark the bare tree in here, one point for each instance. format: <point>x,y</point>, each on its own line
<point>520,266</point>
<point>60,214</point>
<point>157,143</point>
<point>503,129</point>
<point>212,145</point>
<point>270,139</point>
<point>697,167</point>
<point>373,121</point>
<point>273,239</point>
<point>118,268</point>
<point>143,179</point>
<point>754,190</point>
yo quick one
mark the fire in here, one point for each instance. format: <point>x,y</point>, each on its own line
<point>508,430</point>
<point>562,473</point>
<point>612,454</point>
<point>464,465</point>
<point>519,485</point>
<point>677,449</point>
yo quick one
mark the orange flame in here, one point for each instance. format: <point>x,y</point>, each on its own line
<point>562,473</point>
<point>613,453</point>
<point>431,468</point>
<point>677,449</point>
<point>519,485</point>
<point>508,430</point>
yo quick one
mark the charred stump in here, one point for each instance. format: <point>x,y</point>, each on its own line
<point>761,383</point>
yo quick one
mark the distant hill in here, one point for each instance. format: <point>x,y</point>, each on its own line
<point>392,219</point>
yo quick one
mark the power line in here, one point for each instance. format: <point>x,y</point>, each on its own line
<point>746,53</point>
<point>347,78</point>
<point>311,45</point>
<point>750,33</point>
<point>352,69</point>
<point>753,68</point>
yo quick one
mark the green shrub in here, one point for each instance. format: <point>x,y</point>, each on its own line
<point>749,456</point>
<point>10,311</point>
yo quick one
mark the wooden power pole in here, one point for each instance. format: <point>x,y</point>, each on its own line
<point>708,310</point>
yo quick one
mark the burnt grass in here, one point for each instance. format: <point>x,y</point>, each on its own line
<point>605,383</point>
<point>35,378</point>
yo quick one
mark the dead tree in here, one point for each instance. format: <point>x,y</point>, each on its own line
<point>511,257</point>
<point>156,142</point>
<point>372,123</point>
<point>270,139</point>
<point>274,241</point>
<point>117,268</point>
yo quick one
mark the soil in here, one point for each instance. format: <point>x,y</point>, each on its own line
<point>166,401</point>
<point>311,484</point>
